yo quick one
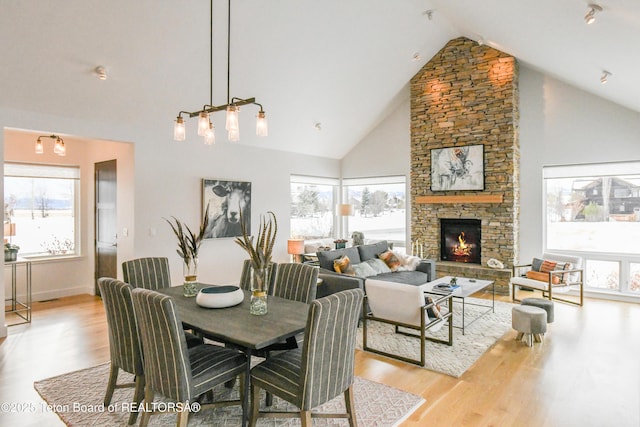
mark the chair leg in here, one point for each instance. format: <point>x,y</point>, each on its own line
<point>111,386</point>
<point>305,419</point>
<point>255,403</point>
<point>183,417</point>
<point>350,404</point>
<point>148,400</point>
<point>138,395</point>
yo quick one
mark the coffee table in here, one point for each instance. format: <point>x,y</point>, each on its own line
<point>467,288</point>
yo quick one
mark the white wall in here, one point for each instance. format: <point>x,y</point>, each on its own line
<point>561,125</point>
<point>168,182</point>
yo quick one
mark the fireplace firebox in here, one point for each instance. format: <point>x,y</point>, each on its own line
<point>460,240</point>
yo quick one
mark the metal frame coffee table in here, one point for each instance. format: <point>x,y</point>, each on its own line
<point>467,288</point>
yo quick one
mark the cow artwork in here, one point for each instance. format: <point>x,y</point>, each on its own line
<point>457,168</point>
<point>226,199</point>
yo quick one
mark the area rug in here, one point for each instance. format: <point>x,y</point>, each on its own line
<point>77,398</point>
<point>466,349</point>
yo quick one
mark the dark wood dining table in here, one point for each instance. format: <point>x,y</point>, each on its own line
<point>236,326</point>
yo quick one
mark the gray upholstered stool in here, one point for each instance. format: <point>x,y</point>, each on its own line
<point>542,303</point>
<point>530,322</point>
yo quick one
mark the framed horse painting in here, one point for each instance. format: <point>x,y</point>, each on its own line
<point>227,201</point>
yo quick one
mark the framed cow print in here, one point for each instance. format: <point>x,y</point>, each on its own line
<point>457,168</point>
<point>227,200</point>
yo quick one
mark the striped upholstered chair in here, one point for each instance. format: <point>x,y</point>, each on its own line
<point>148,273</point>
<point>173,370</point>
<point>297,282</point>
<point>124,343</point>
<point>245,276</point>
<point>322,369</point>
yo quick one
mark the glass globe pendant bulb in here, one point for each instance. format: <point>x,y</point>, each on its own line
<point>210,135</point>
<point>232,118</point>
<point>234,135</point>
<point>39,147</point>
<point>179,131</point>
<point>203,123</point>
<point>261,125</point>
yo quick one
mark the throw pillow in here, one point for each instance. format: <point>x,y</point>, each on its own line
<point>378,265</point>
<point>363,270</point>
<point>543,277</point>
<point>390,259</point>
<point>407,262</point>
<point>343,265</point>
<point>536,264</point>
<point>548,266</point>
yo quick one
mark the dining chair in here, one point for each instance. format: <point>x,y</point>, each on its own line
<point>319,371</point>
<point>173,370</point>
<point>148,273</point>
<point>297,282</point>
<point>245,275</point>
<point>124,343</point>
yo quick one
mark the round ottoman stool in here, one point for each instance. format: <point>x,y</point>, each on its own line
<point>542,303</point>
<point>530,322</point>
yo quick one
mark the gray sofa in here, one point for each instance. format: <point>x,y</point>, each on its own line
<point>335,282</point>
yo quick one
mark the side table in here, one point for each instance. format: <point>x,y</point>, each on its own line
<point>20,307</point>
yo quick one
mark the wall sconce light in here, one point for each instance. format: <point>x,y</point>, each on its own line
<point>590,17</point>
<point>58,147</point>
<point>604,77</point>
<point>295,247</point>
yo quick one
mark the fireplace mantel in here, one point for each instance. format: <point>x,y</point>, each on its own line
<point>476,198</point>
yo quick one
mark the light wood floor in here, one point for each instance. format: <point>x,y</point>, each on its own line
<point>585,373</point>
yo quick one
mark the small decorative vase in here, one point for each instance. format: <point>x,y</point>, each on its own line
<point>190,270</point>
<point>258,304</point>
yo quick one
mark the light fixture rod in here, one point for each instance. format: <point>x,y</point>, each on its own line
<point>214,108</point>
<point>228,51</point>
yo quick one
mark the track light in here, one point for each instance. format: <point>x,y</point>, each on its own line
<point>605,75</point>
<point>590,17</point>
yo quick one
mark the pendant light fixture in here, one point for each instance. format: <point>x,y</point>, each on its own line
<point>232,107</point>
<point>58,146</point>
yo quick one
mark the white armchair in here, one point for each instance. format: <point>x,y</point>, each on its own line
<point>553,282</point>
<point>405,306</point>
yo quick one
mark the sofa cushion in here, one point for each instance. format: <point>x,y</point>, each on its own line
<point>407,277</point>
<point>364,269</point>
<point>343,265</point>
<point>372,250</point>
<point>325,258</point>
<point>377,265</point>
<point>389,258</point>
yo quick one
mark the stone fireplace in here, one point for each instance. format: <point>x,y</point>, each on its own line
<point>467,94</point>
<point>460,240</point>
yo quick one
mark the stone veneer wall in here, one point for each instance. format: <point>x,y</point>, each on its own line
<point>468,94</point>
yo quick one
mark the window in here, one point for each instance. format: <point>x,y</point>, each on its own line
<point>380,208</point>
<point>312,207</point>
<point>595,210</point>
<point>41,200</point>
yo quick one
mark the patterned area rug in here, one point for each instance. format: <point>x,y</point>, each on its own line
<point>466,349</point>
<point>77,398</point>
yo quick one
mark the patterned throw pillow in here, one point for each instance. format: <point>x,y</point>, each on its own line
<point>543,277</point>
<point>343,265</point>
<point>390,259</point>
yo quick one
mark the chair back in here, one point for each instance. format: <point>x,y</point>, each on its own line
<point>397,302</point>
<point>245,276</point>
<point>166,359</point>
<point>124,341</point>
<point>574,261</point>
<point>147,273</point>
<point>328,352</point>
<point>297,282</point>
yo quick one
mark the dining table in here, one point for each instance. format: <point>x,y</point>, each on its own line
<point>238,327</point>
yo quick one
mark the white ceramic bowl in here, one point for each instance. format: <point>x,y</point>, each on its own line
<point>219,296</point>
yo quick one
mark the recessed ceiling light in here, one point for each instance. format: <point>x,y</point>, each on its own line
<point>590,17</point>
<point>318,126</point>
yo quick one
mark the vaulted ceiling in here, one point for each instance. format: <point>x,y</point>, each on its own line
<point>342,64</point>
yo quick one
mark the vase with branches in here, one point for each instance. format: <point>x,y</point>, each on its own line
<point>188,248</point>
<point>260,253</point>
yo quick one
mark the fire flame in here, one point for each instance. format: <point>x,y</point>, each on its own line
<point>462,249</point>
